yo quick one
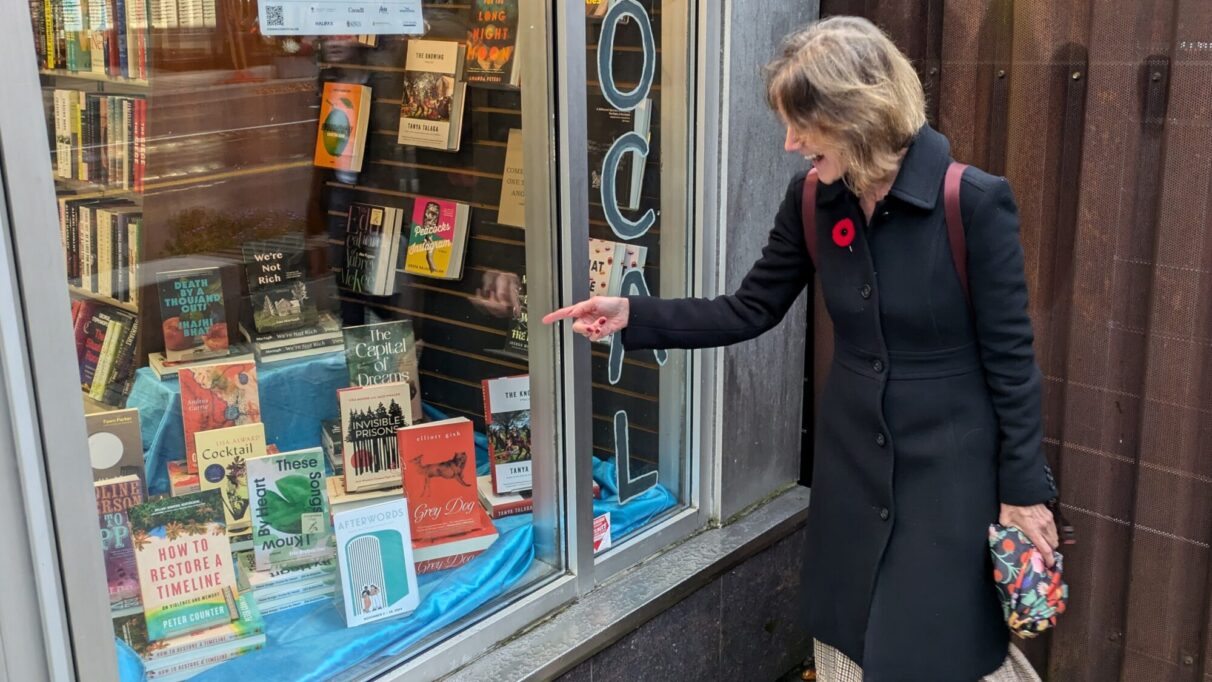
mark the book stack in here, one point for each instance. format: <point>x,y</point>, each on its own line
<point>100,139</point>
<point>105,350</point>
<point>313,339</point>
<point>110,38</point>
<point>287,588</point>
<point>330,442</point>
<point>372,249</point>
<point>278,291</point>
<point>437,240</point>
<point>431,108</point>
<point>439,479</point>
<point>182,657</point>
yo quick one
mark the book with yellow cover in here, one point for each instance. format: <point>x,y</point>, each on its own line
<point>341,137</point>
<point>223,456</point>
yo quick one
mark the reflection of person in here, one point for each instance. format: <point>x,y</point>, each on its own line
<point>931,415</point>
<point>499,294</point>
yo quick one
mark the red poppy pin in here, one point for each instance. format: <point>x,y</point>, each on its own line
<point>843,233</point>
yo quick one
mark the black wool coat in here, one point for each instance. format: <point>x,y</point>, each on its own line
<point>930,415</point>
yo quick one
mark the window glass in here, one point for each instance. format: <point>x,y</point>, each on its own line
<point>638,195</point>
<point>297,270</point>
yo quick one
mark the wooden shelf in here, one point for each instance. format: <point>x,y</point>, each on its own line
<point>81,189</point>
<point>77,291</point>
<point>95,77</point>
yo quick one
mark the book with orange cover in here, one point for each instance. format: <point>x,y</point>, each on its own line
<point>341,137</point>
<point>439,461</point>
<point>216,396</point>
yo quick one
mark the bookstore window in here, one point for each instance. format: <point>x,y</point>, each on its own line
<point>639,188</point>
<point>297,264</point>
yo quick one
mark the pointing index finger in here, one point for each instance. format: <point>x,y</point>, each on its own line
<point>561,314</point>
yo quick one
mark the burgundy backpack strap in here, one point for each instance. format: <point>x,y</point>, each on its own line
<point>955,224</point>
<point>808,214</point>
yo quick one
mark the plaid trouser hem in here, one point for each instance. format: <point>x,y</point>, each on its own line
<point>834,666</point>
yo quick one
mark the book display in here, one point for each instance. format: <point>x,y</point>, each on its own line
<point>297,267</point>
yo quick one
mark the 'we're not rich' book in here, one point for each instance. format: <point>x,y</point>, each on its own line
<point>289,509</point>
<point>384,353</point>
<point>186,575</point>
<point>223,456</point>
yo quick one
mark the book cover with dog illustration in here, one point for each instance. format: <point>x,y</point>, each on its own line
<point>378,577</point>
<point>370,416</point>
<point>440,477</point>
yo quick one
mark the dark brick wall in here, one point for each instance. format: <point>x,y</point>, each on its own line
<point>745,625</point>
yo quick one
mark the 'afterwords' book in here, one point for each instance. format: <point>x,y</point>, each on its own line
<point>223,456</point>
<point>289,509</point>
<point>374,552</point>
<point>216,396</point>
<point>192,314</point>
<point>370,416</point>
<point>186,576</point>
<point>384,353</point>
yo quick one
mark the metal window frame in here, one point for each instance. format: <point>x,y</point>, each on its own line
<point>58,492</point>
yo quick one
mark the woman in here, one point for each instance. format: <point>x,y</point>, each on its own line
<point>930,424</point>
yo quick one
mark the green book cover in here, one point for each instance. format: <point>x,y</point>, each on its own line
<point>289,509</point>
<point>186,573</point>
<point>384,353</point>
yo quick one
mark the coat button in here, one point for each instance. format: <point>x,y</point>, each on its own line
<point>880,439</point>
<point>865,291</point>
<point>878,366</point>
<point>884,514</point>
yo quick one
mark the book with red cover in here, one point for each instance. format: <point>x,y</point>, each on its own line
<point>439,461</point>
<point>216,396</point>
<point>439,554</point>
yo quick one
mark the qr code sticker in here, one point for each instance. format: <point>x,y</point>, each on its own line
<point>274,15</point>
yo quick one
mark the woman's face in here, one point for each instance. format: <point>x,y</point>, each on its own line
<point>814,147</point>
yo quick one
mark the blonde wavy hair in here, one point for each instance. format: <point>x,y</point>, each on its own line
<point>844,79</point>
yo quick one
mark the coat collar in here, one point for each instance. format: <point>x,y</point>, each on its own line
<point>921,175</point>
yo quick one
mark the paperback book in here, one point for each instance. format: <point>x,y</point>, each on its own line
<point>248,623</point>
<point>431,109</point>
<point>114,498</point>
<point>500,506</point>
<point>192,313</point>
<point>341,137</point>
<point>217,396</point>
<point>277,285</point>
<point>115,443</point>
<point>385,352</point>
<point>374,552</point>
<point>186,577</point>
<point>607,125</point>
<point>290,510</point>
<point>440,477</point>
<point>511,208</point>
<point>492,41</point>
<point>223,457</point>
<point>437,238</point>
<point>452,551</point>
<point>507,421</point>
<point>370,416</point>
<point>372,249</point>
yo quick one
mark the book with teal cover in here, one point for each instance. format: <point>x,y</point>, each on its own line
<point>290,509</point>
<point>186,574</point>
<point>374,553</point>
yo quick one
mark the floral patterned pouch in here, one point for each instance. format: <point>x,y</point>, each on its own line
<point>1032,594</point>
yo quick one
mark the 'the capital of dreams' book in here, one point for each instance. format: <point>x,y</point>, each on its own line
<point>192,314</point>
<point>507,418</point>
<point>341,138</point>
<point>370,416</point>
<point>440,477</point>
<point>216,396</point>
<point>114,498</point>
<point>384,353</point>
<point>437,239</point>
<point>289,509</point>
<point>374,552</point>
<point>186,576</point>
<point>223,456</point>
